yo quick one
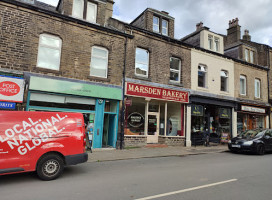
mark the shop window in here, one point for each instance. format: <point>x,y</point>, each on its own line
<point>175,65</point>
<point>49,52</point>
<point>257,88</point>
<point>202,71</point>
<point>135,117</point>
<point>141,62</point>
<point>242,85</point>
<point>224,80</point>
<point>173,119</point>
<point>85,10</point>
<point>99,62</point>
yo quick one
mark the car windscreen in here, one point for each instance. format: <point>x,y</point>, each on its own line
<point>252,134</point>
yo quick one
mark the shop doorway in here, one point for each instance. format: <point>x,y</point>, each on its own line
<point>108,131</point>
<point>153,128</point>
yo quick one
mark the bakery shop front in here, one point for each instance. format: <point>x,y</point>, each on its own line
<point>154,115</point>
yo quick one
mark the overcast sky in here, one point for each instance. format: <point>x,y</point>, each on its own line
<point>254,15</point>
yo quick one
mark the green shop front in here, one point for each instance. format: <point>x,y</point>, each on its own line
<point>99,104</point>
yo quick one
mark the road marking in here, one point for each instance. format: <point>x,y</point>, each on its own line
<point>187,190</point>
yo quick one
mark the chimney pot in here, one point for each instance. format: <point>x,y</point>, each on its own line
<point>199,25</point>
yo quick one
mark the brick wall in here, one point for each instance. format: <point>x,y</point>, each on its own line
<point>19,39</point>
<point>132,141</point>
<point>160,52</point>
<point>172,141</point>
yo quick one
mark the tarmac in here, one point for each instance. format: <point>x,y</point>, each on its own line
<point>151,151</point>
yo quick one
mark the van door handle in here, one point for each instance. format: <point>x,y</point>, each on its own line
<point>3,152</point>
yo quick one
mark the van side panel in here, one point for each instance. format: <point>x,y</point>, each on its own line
<point>26,136</point>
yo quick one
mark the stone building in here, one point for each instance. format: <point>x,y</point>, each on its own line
<point>157,78</point>
<point>69,59</point>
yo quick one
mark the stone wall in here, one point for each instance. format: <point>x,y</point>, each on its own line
<point>172,141</point>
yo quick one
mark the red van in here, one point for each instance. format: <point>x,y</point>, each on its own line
<point>44,142</point>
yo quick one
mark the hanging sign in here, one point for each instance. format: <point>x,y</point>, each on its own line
<point>197,110</point>
<point>138,90</point>
<point>11,89</point>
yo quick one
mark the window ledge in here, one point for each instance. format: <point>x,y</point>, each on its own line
<point>175,83</point>
<point>203,89</point>
<point>243,96</point>
<point>258,99</point>
<point>94,78</point>
<point>142,78</point>
<point>40,69</point>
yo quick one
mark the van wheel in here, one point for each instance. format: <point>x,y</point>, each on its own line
<point>50,167</point>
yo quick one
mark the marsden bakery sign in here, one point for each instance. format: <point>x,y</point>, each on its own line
<point>11,89</point>
<point>138,90</point>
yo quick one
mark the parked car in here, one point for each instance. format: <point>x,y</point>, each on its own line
<point>256,141</point>
<point>44,142</point>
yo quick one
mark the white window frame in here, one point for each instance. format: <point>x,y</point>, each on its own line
<point>156,25</point>
<point>106,58</point>
<point>251,56</point>
<point>210,42</point>
<point>165,28</point>
<point>246,55</point>
<point>202,69</point>
<point>216,44</point>
<point>257,88</point>
<point>82,9</point>
<point>51,47</point>
<point>95,12</point>
<point>245,84</point>
<point>176,71</point>
<point>225,74</point>
<point>146,76</point>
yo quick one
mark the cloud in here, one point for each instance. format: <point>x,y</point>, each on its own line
<point>215,14</point>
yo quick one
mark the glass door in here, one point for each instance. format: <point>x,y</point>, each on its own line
<point>153,128</point>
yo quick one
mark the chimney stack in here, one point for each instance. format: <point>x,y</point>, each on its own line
<point>233,32</point>
<point>246,36</point>
<point>199,26</point>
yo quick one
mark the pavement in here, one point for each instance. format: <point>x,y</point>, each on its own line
<point>151,151</point>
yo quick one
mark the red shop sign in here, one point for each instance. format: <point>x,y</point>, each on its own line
<point>133,89</point>
<point>8,88</point>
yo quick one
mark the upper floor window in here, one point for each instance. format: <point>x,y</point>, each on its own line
<point>251,56</point>
<point>160,25</point>
<point>175,65</point>
<point>210,42</point>
<point>224,80</point>
<point>99,62</point>
<point>141,62</point>
<point>216,44</point>
<point>242,85</point>
<point>156,24</point>
<point>85,10</point>
<point>49,52</point>
<point>164,27</point>
<point>257,88</point>
<point>202,73</point>
<point>247,55</point>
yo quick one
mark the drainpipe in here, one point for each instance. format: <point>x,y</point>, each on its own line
<point>123,100</point>
<point>268,81</point>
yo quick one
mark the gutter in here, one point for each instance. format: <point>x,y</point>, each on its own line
<point>268,85</point>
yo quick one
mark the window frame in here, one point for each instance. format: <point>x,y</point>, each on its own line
<point>48,46</point>
<point>95,11</point>
<point>226,73</point>
<point>162,28</point>
<point>205,71</point>
<point>246,55</point>
<point>146,76</point>
<point>175,71</point>
<point>251,56</point>
<point>216,44</point>
<point>210,42</point>
<point>107,58</point>
<point>245,85</point>
<point>257,80</point>
<point>156,24</point>
<point>82,8</point>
